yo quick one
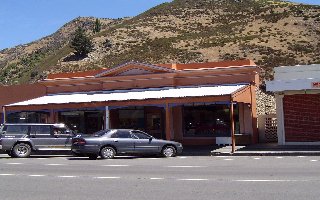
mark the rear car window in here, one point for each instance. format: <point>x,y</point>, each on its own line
<point>16,129</point>
<point>100,133</point>
<point>121,134</point>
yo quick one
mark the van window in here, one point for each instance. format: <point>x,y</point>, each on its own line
<point>40,130</point>
<point>61,132</point>
<point>17,129</point>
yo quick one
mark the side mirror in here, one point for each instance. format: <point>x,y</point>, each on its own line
<point>150,139</point>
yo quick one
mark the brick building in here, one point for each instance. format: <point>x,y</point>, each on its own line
<point>297,90</point>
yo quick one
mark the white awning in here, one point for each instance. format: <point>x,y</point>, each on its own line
<point>135,94</point>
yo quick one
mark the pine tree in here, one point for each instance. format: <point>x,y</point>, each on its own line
<point>97,26</point>
<point>81,43</point>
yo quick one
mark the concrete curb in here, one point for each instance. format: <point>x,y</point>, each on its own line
<point>268,153</point>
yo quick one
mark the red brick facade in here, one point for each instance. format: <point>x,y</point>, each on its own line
<point>302,117</point>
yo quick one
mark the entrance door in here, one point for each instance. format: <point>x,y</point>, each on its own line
<point>154,122</point>
<point>93,121</point>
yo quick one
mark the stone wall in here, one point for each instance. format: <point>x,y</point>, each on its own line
<point>266,103</point>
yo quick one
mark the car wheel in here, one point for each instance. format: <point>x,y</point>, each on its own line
<point>21,150</point>
<point>168,151</point>
<point>93,157</point>
<point>107,153</point>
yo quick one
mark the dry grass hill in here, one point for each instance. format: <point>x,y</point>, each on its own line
<point>270,32</point>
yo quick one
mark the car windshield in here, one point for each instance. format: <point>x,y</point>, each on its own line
<point>100,133</point>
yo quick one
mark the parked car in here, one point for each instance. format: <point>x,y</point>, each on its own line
<point>108,143</point>
<point>19,140</point>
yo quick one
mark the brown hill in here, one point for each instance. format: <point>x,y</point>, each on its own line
<point>269,32</point>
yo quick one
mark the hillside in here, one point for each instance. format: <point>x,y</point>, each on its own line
<point>271,33</point>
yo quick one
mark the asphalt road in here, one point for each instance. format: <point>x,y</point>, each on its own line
<point>134,178</point>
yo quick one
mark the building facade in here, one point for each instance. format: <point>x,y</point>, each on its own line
<point>297,91</point>
<point>195,104</point>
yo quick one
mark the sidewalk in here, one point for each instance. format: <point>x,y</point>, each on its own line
<point>269,149</point>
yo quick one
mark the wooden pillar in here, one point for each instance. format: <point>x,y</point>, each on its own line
<point>168,122</point>
<point>254,115</point>
<point>233,139</point>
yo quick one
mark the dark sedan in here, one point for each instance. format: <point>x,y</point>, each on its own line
<point>108,143</point>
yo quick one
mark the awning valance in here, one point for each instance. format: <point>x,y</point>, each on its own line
<point>135,94</point>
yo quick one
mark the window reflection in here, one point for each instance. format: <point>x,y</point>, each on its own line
<point>208,120</point>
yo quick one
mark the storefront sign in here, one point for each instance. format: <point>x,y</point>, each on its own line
<point>315,84</point>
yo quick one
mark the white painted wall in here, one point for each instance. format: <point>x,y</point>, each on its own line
<point>297,72</point>
<point>300,77</point>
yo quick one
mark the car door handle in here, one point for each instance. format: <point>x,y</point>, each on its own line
<point>115,140</point>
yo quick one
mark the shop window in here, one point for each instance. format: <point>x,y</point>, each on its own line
<point>208,120</point>
<point>132,118</point>
<point>72,119</point>
<point>86,122</point>
<point>28,117</point>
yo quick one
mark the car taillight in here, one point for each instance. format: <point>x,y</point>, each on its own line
<point>79,141</point>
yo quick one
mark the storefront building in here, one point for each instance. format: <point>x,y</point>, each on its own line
<point>297,91</point>
<point>195,104</point>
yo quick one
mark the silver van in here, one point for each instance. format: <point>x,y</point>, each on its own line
<point>19,140</point>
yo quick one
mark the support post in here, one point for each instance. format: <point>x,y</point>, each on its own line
<point>280,120</point>
<point>168,122</point>
<point>107,118</point>
<point>233,139</point>
<point>52,117</point>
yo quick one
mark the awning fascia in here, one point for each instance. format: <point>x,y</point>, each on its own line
<point>121,103</point>
<point>240,92</point>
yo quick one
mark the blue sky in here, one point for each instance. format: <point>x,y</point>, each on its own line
<point>23,21</point>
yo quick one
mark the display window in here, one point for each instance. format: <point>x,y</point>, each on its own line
<point>28,117</point>
<point>208,120</point>
<point>87,122</point>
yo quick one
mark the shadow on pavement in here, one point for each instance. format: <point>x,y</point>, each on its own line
<point>198,150</point>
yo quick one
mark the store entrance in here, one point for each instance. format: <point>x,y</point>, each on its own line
<point>94,121</point>
<point>154,122</point>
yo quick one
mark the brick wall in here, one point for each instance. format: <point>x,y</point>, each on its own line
<point>302,117</point>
